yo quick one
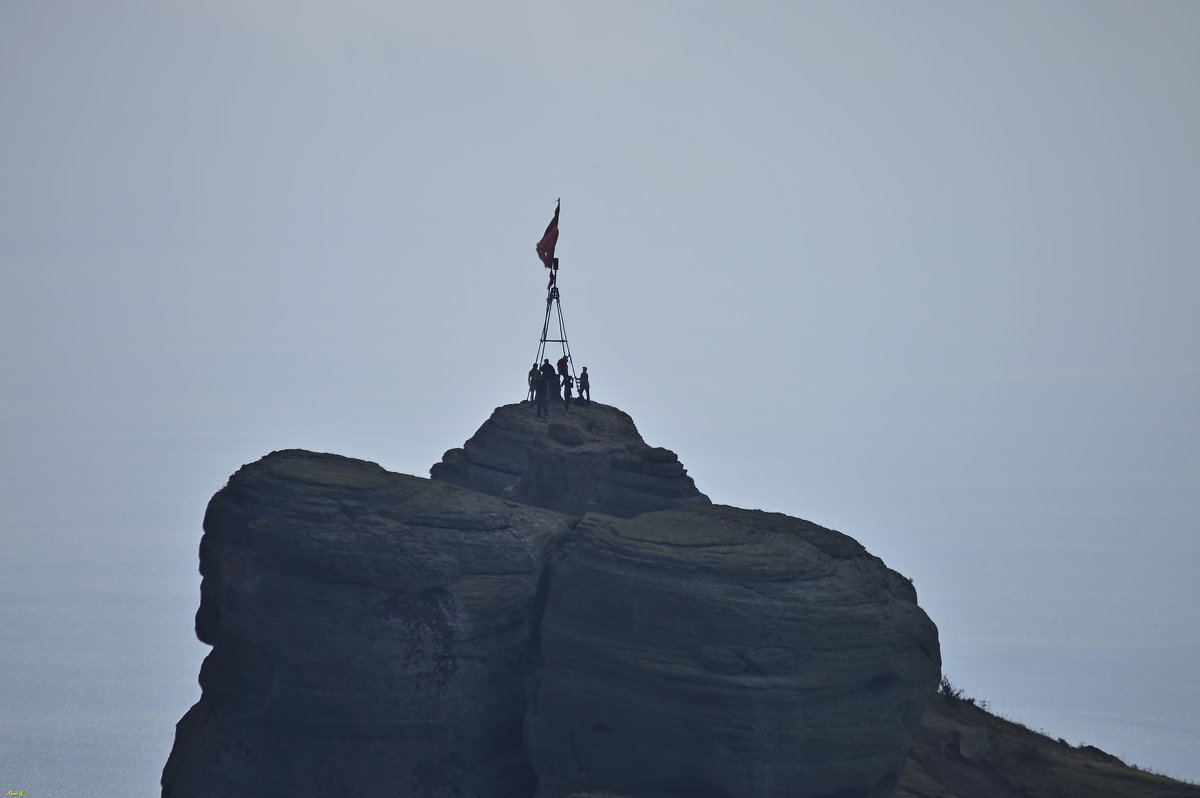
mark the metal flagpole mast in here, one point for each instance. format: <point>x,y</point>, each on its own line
<point>554,305</point>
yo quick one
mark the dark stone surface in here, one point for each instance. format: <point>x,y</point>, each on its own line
<point>370,636</point>
<point>591,459</point>
<point>376,634</point>
<point>714,651</point>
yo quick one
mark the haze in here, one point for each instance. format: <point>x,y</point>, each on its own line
<point>925,273</point>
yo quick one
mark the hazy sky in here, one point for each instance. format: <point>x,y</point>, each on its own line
<point>926,273</point>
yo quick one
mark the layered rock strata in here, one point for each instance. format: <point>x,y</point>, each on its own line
<point>591,459</point>
<point>370,634</point>
<point>724,652</point>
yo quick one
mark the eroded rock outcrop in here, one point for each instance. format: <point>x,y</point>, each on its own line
<point>714,651</point>
<point>602,628</point>
<point>589,460</point>
<point>370,634</point>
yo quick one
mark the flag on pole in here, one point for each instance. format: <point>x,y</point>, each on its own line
<point>545,247</point>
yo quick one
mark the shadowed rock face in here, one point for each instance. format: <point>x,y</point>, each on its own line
<point>714,651</point>
<point>591,459</point>
<point>377,634</point>
<point>370,636</point>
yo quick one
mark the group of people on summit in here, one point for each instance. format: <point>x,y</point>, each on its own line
<point>545,381</point>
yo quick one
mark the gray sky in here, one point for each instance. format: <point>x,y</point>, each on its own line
<point>922,272</point>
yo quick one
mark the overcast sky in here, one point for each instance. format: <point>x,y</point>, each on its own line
<point>926,273</point>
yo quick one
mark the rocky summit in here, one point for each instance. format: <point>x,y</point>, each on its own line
<point>557,612</point>
<point>588,460</point>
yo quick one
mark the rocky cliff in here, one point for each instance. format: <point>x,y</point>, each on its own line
<point>569,615</point>
<point>715,651</point>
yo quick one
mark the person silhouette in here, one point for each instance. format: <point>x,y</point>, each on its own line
<point>585,386</point>
<point>551,378</point>
<point>539,391</point>
<point>534,376</point>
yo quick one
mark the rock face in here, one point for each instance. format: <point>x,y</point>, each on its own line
<point>589,460</point>
<point>601,628</point>
<point>723,652</point>
<point>370,634</point>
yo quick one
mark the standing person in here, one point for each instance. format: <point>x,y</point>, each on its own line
<point>562,365</point>
<point>539,391</point>
<point>551,378</point>
<point>566,386</point>
<point>534,376</point>
<point>585,387</point>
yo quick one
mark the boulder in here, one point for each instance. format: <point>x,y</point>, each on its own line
<point>723,653</point>
<point>591,459</point>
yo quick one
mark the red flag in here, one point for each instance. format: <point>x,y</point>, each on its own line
<point>545,247</point>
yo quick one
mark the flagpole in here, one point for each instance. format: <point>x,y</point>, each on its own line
<point>545,251</point>
<point>554,306</point>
